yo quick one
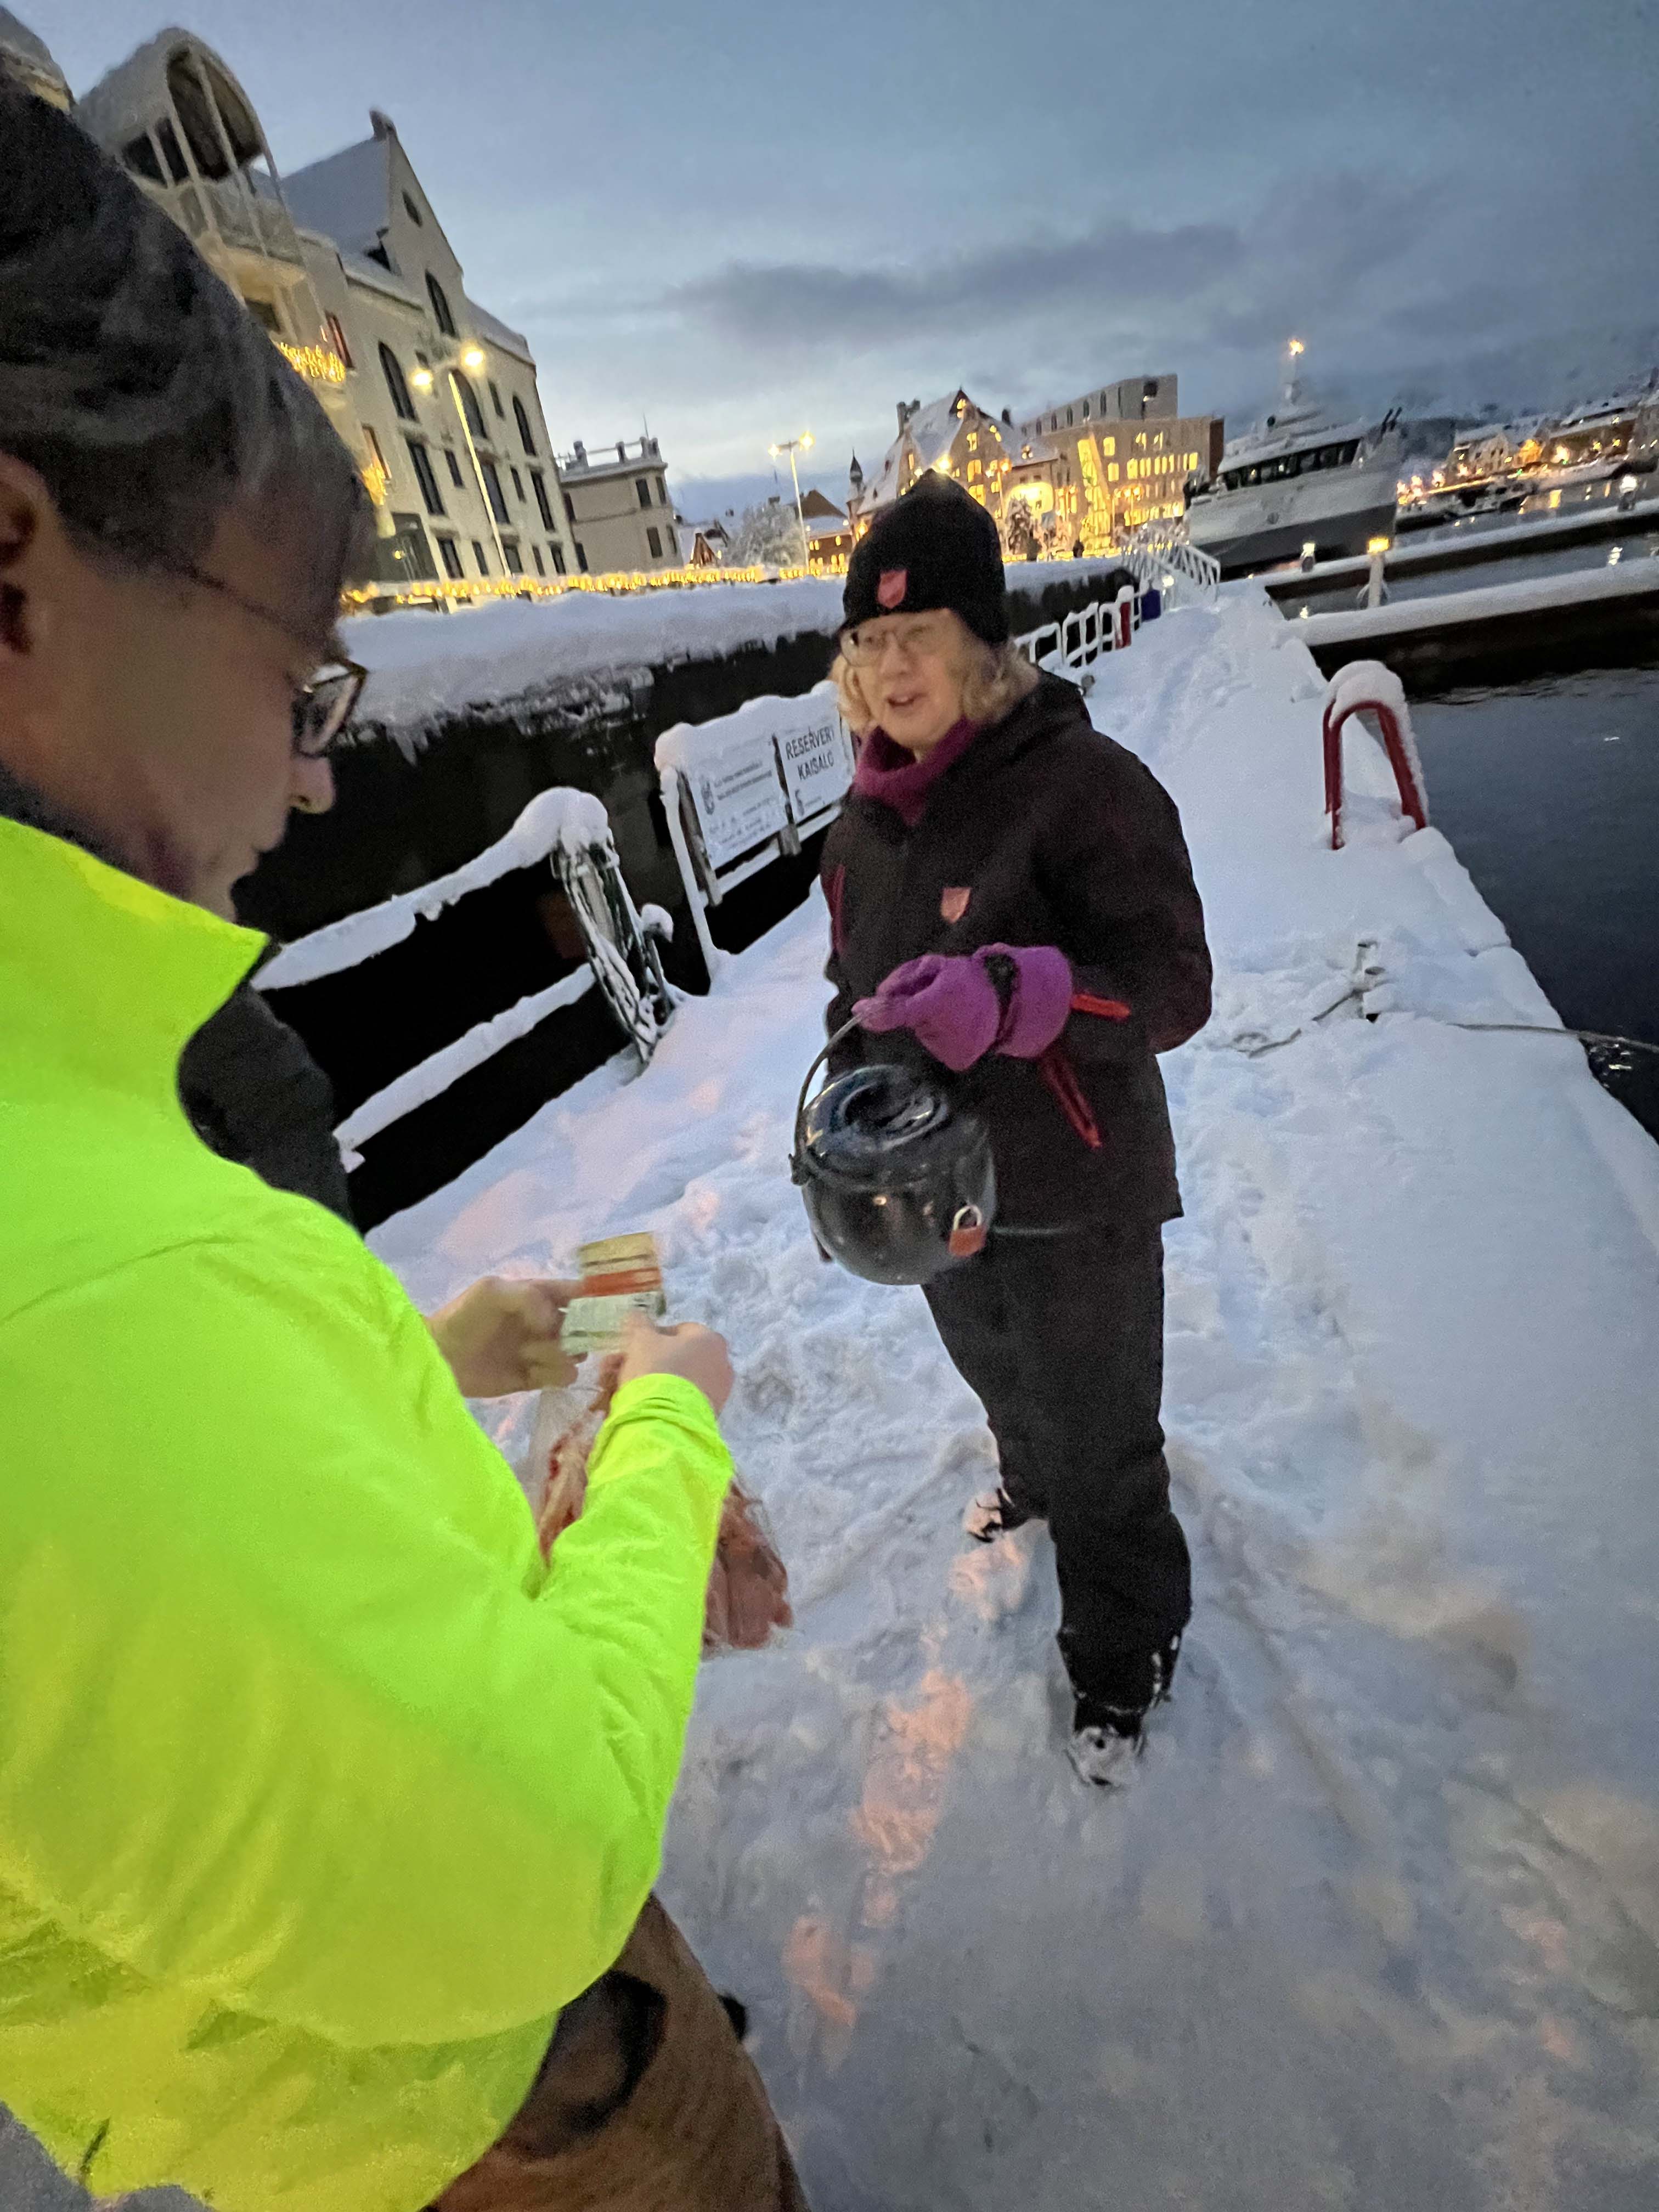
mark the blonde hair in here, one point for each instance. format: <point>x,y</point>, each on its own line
<point>994,679</point>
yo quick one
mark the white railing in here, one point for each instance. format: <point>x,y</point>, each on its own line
<point>1103,626</point>
<point>745,789</point>
<point>1160,551</point>
<point>571,830</point>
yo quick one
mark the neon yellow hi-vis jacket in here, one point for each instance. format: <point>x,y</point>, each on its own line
<point>319,1794</point>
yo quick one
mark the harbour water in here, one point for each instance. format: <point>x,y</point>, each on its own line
<point>1549,791</point>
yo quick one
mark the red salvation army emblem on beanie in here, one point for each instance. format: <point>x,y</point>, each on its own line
<point>890,591</point>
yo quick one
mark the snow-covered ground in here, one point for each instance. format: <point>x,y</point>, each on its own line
<point>1377,1923</point>
<point>1375,1928</point>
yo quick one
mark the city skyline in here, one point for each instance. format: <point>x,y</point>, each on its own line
<point>805,221</point>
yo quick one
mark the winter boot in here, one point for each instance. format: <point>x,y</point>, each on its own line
<point>1107,1739</point>
<point>993,1514</point>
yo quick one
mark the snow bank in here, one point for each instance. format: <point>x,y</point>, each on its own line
<point>1378,1921</point>
<point>425,665</point>
<point>560,817</point>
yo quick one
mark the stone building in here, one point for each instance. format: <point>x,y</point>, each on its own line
<point>348,267</point>
<point>617,510</point>
<point>951,436</point>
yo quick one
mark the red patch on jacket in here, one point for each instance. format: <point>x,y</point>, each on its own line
<point>890,591</point>
<point>954,904</point>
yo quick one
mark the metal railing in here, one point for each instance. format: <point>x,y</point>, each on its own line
<point>1103,626</point>
<point>1159,550</point>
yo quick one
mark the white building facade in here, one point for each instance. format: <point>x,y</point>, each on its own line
<point>348,267</point>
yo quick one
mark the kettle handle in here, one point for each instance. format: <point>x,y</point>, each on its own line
<point>845,1029</point>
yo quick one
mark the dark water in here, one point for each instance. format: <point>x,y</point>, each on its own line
<point>1549,791</point>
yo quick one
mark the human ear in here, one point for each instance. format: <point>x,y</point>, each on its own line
<point>23,495</point>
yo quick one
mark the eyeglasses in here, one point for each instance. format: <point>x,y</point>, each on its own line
<point>925,636</point>
<point>324,707</point>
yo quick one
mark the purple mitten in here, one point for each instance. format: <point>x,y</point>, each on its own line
<point>1040,1004</point>
<point>953,1008</point>
<point>947,1001</point>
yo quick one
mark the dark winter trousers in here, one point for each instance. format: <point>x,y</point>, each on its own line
<point>1062,1339</point>
<point>645,2102</point>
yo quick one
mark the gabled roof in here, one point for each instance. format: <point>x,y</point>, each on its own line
<point>347,195</point>
<point>499,333</point>
<point>930,433</point>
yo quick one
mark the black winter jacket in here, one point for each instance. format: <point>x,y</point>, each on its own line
<point>1058,836</point>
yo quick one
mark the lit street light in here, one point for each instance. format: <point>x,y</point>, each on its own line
<point>791,446</point>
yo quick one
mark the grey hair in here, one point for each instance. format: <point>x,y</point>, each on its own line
<point>135,383</point>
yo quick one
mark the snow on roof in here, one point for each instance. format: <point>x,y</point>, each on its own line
<point>362,271</point>
<point>499,333</point>
<point>827,525</point>
<point>347,195</point>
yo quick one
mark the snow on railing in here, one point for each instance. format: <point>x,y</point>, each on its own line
<point>572,831</point>
<point>1162,556</point>
<point>746,788</point>
<point>1367,687</point>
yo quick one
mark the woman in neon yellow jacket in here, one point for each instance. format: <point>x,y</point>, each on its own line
<point>320,1795</point>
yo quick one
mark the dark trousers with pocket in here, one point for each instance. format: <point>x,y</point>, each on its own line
<point>1061,1337</point>
<point>645,2102</point>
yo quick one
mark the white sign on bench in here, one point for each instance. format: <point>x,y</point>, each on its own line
<point>741,791</point>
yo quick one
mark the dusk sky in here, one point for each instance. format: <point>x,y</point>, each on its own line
<point>744,221</point>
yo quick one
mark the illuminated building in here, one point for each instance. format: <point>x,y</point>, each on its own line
<point>951,437</point>
<point>1124,455</point>
<point>347,267</point>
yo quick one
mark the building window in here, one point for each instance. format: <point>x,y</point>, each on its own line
<point>497,497</point>
<point>470,407</point>
<point>481,557</point>
<point>642,485</point>
<point>523,422</point>
<point>455,475</point>
<point>413,212</point>
<point>337,338</point>
<point>662,491</point>
<point>264,314</point>
<point>451,558</point>
<point>538,484</point>
<point>536,556</point>
<point>424,475</point>
<point>402,405</point>
<point>653,538</point>
<point>582,557</point>
<point>496,399</point>
<point>518,486</point>
<point>440,299</point>
<point>167,139</point>
<point>1108,446</point>
<point>569,508</point>
<point>510,551</point>
<point>141,158</point>
<point>1085,411</point>
<point>557,552</point>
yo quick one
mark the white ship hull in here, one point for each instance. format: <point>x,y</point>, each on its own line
<point>1337,509</point>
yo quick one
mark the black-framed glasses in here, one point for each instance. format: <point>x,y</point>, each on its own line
<point>324,707</point>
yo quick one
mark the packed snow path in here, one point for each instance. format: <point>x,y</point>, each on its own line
<point>1376,1923</point>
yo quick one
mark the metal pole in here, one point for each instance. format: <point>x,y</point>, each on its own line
<point>799,515</point>
<point>670,801</point>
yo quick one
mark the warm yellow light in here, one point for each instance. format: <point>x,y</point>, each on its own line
<point>472,356</point>
<point>421,378</point>
<point>320,363</point>
<point>1296,347</point>
<point>1377,545</point>
<point>806,437</point>
<point>774,450</point>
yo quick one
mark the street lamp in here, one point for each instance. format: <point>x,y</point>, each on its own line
<point>791,446</point>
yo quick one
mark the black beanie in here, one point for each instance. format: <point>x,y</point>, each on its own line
<point>936,547</point>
